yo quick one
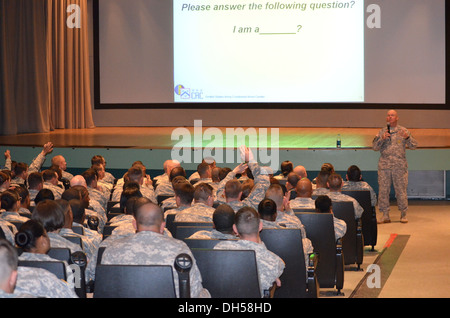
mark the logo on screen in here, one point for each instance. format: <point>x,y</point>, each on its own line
<point>186,93</point>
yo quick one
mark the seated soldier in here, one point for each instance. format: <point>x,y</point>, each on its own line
<point>355,182</point>
<point>96,192</point>
<point>335,186</point>
<point>134,249</point>
<point>51,216</point>
<point>32,238</point>
<point>202,209</point>
<point>324,205</point>
<point>286,168</point>
<point>99,159</point>
<point>247,226</point>
<point>60,161</point>
<point>35,184</point>
<point>223,220</point>
<point>172,169</point>
<point>10,203</point>
<point>135,173</point>
<point>321,182</point>
<point>304,192</point>
<point>184,195</point>
<point>51,182</point>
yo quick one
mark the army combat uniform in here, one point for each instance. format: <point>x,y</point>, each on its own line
<point>393,168</point>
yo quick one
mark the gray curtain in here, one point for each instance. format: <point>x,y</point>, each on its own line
<point>44,67</point>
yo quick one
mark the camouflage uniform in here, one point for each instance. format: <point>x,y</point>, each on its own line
<point>198,212</point>
<point>57,191</point>
<point>41,283</point>
<point>90,247</point>
<point>393,168</point>
<point>9,230</point>
<point>164,187</point>
<point>270,266</point>
<point>261,181</point>
<point>146,191</point>
<point>25,256</point>
<point>56,240</point>
<point>13,217</point>
<point>361,185</point>
<point>338,196</point>
<point>150,248</point>
<point>302,203</point>
<point>320,191</point>
<point>35,166</point>
<point>340,227</point>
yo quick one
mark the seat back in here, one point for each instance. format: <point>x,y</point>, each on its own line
<point>56,267</point>
<point>201,243</point>
<point>228,273</point>
<point>2,234</point>
<point>170,218</point>
<point>287,244</point>
<point>59,253</point>
<point>319,228</point>
<point>107,230</point>
<point>344,210</point>
<point>78,229</point>
<point>186,231</point>
<point>161,198</point>
<point>200,225</point>
<point>134,281</point>
<point>303,210</point>
<point>74,239</point>
<point>368,218</point>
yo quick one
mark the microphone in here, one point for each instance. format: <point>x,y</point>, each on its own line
<point>389,129</point>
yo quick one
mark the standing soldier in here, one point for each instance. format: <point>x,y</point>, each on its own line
<point>392,141</point>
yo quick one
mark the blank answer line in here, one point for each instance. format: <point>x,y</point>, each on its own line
<point>276,33</point>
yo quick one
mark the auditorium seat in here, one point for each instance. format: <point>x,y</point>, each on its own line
<point>185,231</point>
<point>353,241</point>
<point>297,281</point>
<point>228,273</point>
<point>319,229</point>
<point>134,281</point>
<point>161,198</point>
<point>200,225</point>
<point>368,218</point>
<point>201,243</point>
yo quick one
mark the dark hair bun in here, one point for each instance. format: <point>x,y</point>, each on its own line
<point>22,239</point>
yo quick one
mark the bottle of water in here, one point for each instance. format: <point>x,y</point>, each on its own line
<point>338,141</point>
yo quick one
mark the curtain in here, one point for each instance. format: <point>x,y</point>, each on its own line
<point>44,67</point>
<point>68,66</point>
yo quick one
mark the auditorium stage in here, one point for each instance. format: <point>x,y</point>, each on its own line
<point>161,137</point>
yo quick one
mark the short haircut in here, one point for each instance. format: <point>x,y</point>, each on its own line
<point>19,168</point>
<point>232,188</point>
<point>35,179</point>
<point>327,167</point>
<point>8,260</point>
<point>3,177</point>
<point>202,192</point>
<point>177,171</point>
<point>267,209</point>
<point>203,168</point>
<point>323,204</point>
<point>293,179</point>
<point>223,218</point>
<point>354,173</point>
<point>185,191</point>
<point>97,159</point>
<point>149,214</point>
<point>223,172</point>
<point>275,192</point>
<point>50,214</point>
<point>334,181</point>
<point>135,173</point>
<point>247,221</point>
<point>23,193</point>
<point>90,175</point>
<point>49,174</point>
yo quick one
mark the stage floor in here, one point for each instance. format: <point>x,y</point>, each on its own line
<point>161,137</point>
